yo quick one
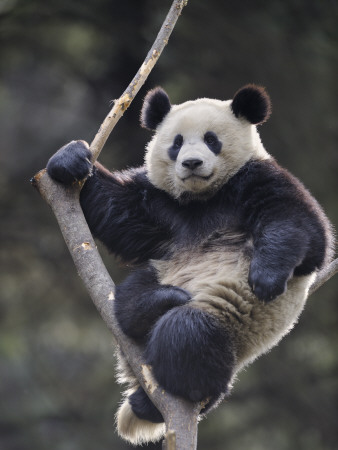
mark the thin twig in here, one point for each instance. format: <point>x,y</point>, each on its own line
<point>121,105</point>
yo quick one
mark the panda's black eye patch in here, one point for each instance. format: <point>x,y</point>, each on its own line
<point>175,148</point>
<point>212,141</point>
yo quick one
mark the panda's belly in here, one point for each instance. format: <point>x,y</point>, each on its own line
<point>217,281</point>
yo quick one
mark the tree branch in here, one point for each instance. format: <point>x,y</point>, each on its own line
<point>129,94</point>
<point>180,416</point>
<point>324,275</point>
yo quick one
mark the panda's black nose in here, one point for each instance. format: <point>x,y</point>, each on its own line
<point>192,163</point>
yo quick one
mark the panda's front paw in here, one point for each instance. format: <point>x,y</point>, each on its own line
<point>70,163</point>
<point>266,284</point>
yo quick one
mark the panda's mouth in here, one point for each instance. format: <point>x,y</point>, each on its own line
<point>195,175</point>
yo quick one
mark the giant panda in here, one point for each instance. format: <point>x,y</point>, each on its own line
<point>224,242</point>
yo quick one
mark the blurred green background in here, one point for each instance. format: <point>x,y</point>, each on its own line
<point>61,64</point>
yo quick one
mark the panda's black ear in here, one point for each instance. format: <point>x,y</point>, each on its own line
<point>253,103</point>
<point>156,106</point>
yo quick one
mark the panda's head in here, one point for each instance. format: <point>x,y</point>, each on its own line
<point>199,145</point>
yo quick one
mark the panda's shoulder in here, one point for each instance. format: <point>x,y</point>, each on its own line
<point>132,176</point>
<point>151,197</point>
<point>268,177</point>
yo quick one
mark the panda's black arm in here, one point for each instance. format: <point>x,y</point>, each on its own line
<point>288,228</point>
<point>279,247</point>
<point>120,209</point>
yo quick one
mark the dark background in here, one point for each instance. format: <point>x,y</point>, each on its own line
<point>61,64</point>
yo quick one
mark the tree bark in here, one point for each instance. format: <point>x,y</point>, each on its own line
<point>324,275</point>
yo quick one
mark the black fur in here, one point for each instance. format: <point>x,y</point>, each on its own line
<point>176,147</point>
<point>156,106</point>
<point>213,143</point>
<point>141,300</point>
<point>120,209</point>
<point>253,103</point>
<point>291,234</point>
<point>192,355</point>
<point>143,407</point>
<point>70,163</point>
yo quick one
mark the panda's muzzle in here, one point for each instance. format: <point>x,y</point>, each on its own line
<point>193,168</point>
<point>192,163</point>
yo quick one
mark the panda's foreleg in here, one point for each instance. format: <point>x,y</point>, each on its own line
<point>141,300</point>
<point>192,354</point>
<point>279,247</point>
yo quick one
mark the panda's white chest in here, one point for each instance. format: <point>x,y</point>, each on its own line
<point>218,258</point>
<point>216,276</point>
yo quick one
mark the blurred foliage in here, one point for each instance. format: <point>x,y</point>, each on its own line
<point>61,64</point>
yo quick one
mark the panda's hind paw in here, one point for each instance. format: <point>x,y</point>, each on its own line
<point>185,347</point>
<point>143,407</point>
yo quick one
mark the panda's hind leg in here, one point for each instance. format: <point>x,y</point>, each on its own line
<point>192,354</point>
<point>133,419</point>
<point>140,300</point>
<point>138,420</point>
<point>143,407</point>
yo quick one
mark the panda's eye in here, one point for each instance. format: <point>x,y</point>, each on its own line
<point>211,140</point>
<point>175,148</point>
<point>178,141</point>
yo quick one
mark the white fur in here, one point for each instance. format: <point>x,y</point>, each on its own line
<point>135,430</point>
<point>124,373</point>
<point>240,142</point>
